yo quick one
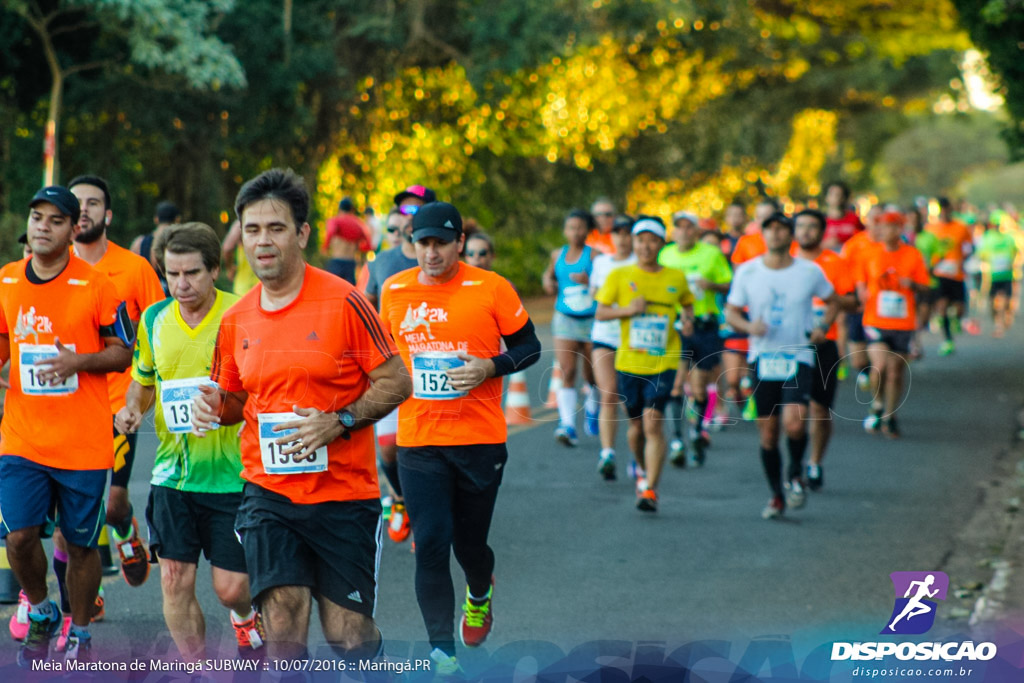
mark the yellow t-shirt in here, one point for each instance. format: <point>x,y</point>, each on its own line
<point>650,344</point>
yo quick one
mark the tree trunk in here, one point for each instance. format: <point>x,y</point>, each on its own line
<point>286,23</point>
<point>51,160</point>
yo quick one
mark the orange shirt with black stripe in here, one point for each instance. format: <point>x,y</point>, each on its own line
<point>469,313</point>
<point>316,352</point>
<point>70,431</point>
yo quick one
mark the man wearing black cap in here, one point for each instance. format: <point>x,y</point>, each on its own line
<point>779,291</point>
<point>448,320</point>
<point>400,257</point>
<point>62,326</point>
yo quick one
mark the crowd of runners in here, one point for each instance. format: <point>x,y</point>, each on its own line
<point>276,406</point>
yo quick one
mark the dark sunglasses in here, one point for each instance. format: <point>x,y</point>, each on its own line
<point>475,254</point>
<point>409,209</point>
<point>604,213</point>
<point>394,228</point>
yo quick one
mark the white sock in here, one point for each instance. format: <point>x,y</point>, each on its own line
<point>592,404</point>
<point>235,618</point>
<point>567,407</point>
<point>44,608</point>
<point>607,452</point>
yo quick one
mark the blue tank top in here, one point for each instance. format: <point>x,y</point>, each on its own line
<point>573,298</point>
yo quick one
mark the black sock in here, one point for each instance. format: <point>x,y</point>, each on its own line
<point>674,413</point>
<point>391,472</point>
<point>946,327</point>
<point>60,569</point>
<point>771,459</point>
<point>124,527</point>
<point>797,447</point>
<point>700,408</point>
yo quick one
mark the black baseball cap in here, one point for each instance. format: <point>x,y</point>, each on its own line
<point>417,191</point>
<point>623,222</point>
<point>437,219</point>
<point>60,197</point>
<point>778,217</point>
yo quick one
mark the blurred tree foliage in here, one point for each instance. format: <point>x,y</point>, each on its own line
<point>516,111</point>
<point>997,27</point>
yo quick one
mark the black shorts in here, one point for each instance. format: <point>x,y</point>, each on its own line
<point>704,348</point>
<point>645,391</point>
<point>855,328</point>
<point>124,458</point>
<point>826,379</point>
<point>770,394</point>
<point>896,340</point>
<point>184,523</point>
<point>600,345</point>
<point>953,291</point>
<point>332,548</point>
<point>1004,288</point>
<point>927,298</point>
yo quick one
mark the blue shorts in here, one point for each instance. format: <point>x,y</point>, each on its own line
<point>30,493</point>
<point>855,328</point>
<point>703,349</point>
<point>645,391</point>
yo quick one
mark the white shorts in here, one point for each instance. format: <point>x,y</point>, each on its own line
<point>570,327</point>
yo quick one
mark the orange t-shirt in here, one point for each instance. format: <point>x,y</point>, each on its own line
<point>65,430</point>
<point>836,271</point>
<point>748,247</point>
<point>469,313</point>
<point>317,352</point>
<point>138,287</point>
<point>952,236</point>
<point>600,241</point>
<point>890,306</point>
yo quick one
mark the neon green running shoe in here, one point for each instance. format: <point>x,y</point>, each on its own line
<point>750,410</point>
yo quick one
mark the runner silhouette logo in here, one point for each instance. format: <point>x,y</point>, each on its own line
<point>917,594</point>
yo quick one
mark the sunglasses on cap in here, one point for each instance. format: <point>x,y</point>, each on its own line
<point>478,254</point>
<point>409,209</point>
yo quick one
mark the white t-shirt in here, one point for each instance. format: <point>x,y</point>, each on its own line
<point>607,332</point>
<point>783,299</point>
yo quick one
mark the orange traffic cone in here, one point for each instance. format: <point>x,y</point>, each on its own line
<point>554,385</point>
<point>517,402</point>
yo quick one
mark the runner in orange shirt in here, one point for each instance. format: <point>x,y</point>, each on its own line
<point>449,319</point>
<point>889,277</point>
<point>304,361</point>
<point>138,286</point>
<point>955,245</point>
<point>809,232</point>
<point>59,322</point>
<point>852,342</point>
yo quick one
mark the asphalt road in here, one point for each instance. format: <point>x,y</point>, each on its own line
<point>577,563</point>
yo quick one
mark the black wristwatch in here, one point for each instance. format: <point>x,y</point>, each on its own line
<point>348,421</point>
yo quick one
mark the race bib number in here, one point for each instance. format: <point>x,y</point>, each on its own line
<point>649,333</point>
<point>1001,263</point>
<point>693,280</point>
<point>430,376</point>
<point>577,298</point>
<point>777,367</point>
<point>891,304</point>
<point>176,399</point>
<point>31,385</point>
<point>947,268</point>
<point>276,462</point>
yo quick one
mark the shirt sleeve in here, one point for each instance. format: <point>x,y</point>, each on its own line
<point>510,311</point>
<point>920,273</point>
<point>225,370</point>
<point>143,367</point>
<point>370,343</point>
<point>372,283</point>
<point>721,273</point>
<point>107,301</point>
<point>823,289</point>
<point>609,294</point>
<point>737,292</point>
